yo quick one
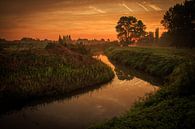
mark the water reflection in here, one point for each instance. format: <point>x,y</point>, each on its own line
<point>124,73</point>
<point>119,73</point>
<point>83,109</point>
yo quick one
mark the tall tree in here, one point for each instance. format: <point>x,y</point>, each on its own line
<point>129,29</point>
<point>179,20</point>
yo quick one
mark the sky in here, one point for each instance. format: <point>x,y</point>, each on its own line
<point>93,19</point>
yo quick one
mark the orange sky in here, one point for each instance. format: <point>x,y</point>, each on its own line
<point>79,18</point>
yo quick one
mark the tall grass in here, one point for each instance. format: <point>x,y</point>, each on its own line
<point>173,106</point>
<point>26,75</point>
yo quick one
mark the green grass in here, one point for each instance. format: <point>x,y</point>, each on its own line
<point>96,49</point>
<point>173,106</point>
<point>28,75</point>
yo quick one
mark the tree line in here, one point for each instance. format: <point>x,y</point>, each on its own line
<point>179,21</point>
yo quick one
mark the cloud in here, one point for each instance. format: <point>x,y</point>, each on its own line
<point>25,7</point>
<point>97,9</point>
<point>156,8</point>
<point>124,5</point>
<point>141,5</point>
<point>21,17</point>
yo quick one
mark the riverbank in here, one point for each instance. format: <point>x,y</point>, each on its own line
<point>81,109</point>
<point>28,75</point>
<point>173,106</point>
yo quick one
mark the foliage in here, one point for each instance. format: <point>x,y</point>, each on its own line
<point>172,107</point>
<point>179,20</point>
<point>80,48</point>
<point>27,75</point>
<point>100,48</point>
<point>129,29</point>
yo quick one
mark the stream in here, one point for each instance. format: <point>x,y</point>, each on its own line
<point>82,110</point>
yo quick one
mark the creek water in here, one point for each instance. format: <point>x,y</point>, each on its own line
<point>84,109</point>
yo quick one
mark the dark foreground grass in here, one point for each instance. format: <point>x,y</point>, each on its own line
<point>56,70</point>
<point>173,106</point>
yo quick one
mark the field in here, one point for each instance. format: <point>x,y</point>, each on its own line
<point>31,74</point>
<point>173,106</point>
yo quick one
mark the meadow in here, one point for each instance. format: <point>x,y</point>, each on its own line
<point>173,106</point>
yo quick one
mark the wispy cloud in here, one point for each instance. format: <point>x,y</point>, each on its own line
<point>75,12</point>
<point>97,9</point>
<point>141,5</point>
<point>129,9</point>
<point>85,13</point>
<point>156,8</point>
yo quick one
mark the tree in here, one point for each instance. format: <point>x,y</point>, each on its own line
<point>129,30</point>
<point>179,20</point>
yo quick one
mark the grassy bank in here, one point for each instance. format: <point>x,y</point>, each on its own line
<point>56,70</point>
<point>173,106</point>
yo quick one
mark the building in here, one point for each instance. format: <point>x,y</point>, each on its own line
<point>157,34</point>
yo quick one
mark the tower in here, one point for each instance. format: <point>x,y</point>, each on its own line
<point>157,34</point>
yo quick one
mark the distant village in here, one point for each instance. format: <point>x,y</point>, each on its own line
<point>149,38</point>
<point>62,39</point>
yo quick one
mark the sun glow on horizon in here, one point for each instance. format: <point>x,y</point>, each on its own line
<point>92,20</point>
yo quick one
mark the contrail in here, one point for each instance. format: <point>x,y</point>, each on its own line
<point>96,9</point>
<point>141,5</point>
<point>155,7</point>
<point>124,5</point>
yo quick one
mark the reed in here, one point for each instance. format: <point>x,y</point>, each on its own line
<point>27,75</point>
<point>172,107</point>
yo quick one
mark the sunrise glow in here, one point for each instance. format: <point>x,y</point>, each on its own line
<point>79,18</point>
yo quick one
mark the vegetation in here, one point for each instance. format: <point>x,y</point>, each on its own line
<point>55,70</point>
<point>129,29</point>
<point>179,20</point>
<point>80,48</point>
<point>96,49</point>
<point>173,106</point>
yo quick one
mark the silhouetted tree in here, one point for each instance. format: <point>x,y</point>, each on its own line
<point>179,20</point>
<point>129,29</point>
